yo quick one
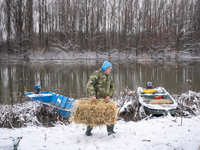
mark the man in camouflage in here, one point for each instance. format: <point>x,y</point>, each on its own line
<point>100,85</point>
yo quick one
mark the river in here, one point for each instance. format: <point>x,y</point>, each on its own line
<point>69,78</point>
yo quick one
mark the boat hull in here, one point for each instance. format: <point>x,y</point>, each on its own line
<point>64,105</point>
<point>159,112</point>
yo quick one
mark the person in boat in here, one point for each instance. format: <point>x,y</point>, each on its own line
<point>100,85</point>
<point>149,85</point>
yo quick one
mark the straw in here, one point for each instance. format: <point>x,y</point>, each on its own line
<point>94,113</point>
<point>163,101</point>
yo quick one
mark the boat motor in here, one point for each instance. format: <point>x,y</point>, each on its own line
<point>37,89</point>
<point>149,85</point>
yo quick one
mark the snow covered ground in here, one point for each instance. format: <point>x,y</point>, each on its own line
<point>153,134</point>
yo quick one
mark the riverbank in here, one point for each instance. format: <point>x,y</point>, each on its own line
<point>59,55</point>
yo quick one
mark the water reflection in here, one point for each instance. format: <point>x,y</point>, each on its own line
<point>70,78</point>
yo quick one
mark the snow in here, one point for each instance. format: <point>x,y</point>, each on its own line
<point>126,104</point>
<point>155,133</point>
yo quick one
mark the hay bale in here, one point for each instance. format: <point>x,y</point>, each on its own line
<point>94,113</point>
<point>161,101</point>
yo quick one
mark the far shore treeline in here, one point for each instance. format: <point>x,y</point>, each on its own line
<point>135,26</point>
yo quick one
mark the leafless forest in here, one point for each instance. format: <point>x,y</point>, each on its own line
<point>99,25</point>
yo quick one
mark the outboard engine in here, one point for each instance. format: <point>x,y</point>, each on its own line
<point>37,89</point>
<point>149,85</point>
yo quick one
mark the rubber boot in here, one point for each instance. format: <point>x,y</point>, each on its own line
<point>110,129</point>
<point>88,131</point>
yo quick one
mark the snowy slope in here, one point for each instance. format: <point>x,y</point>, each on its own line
<point>155,133</point>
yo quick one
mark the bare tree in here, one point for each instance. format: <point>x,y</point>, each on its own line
<point>8,25</point>
<point>100,25</point>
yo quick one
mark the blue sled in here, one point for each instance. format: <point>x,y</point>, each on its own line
<point>64,105</point>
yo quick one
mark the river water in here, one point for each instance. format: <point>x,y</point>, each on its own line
<point>69,78</point>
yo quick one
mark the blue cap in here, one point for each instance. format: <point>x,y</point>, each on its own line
<point>37,87</point>
<point>105,65</point>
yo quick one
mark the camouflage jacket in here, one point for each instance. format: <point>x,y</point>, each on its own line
<point>100,84</point>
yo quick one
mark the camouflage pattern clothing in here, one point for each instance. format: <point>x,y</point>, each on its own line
<point>100,84</point>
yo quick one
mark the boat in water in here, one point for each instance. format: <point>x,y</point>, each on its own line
<point>156,101</point>
<point>64,105</point>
